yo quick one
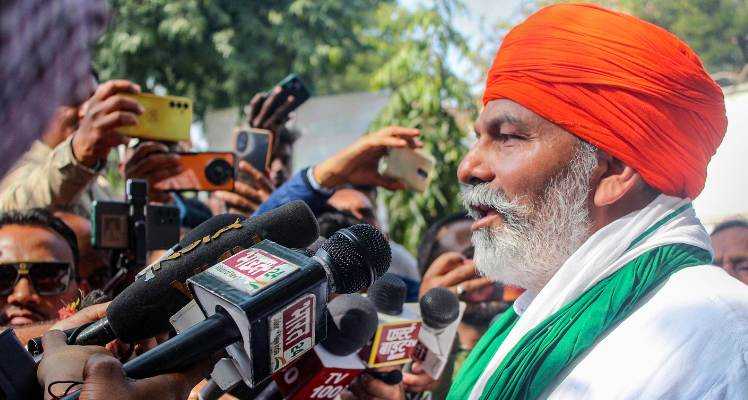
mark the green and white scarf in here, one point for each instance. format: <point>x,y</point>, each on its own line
<point>599,286</point>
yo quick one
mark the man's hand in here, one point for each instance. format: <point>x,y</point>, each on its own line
<point>369,388</point>
<point>105,112</point>
<point>417,380</point>
<point>153,162</point>
<point>84,316</point>
<point>247,196</point>
<point>104,379</point>
<point>258,111</point>
<point>62,362</point>
<point>453,271</point>
<point>357,163</point>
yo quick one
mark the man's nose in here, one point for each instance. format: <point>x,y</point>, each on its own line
<point>23,292</point>
<point>473,168</point>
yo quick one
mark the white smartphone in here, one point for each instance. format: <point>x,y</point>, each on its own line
<point>412,167</point>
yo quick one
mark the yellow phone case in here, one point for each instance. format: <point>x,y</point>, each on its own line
<point>166,118</point>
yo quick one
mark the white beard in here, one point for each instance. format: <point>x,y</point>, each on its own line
<point>533,242</point>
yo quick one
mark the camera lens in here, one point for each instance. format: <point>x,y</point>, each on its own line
<point>218,171</point>
<point>241,141</point>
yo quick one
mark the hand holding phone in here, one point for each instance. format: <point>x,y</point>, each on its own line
<point>165,118</point>
<point>412,167</point>
<point>270,109</point>
<point>254,146</point>
<point>209,171</point>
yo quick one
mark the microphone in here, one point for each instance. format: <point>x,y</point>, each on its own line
<point>397,331</point>
<point>440,310</point>
<point>267,303</point>
<point>332,365</point>
<point>143,309</point>
<point>208,227</point>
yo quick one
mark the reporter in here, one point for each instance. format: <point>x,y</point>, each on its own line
<point>417,380</point>
<point>101,116</point>
<point>62,365</point>
<point>258,110</point>
<point>101,375</point>
<point>153,162</point>
<point>247,196</point>
<point>354,165</point>
<point>58,174</point>
<point>368,388</point>
<point>357,163</point>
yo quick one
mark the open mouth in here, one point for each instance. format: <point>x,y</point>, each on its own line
<point>484,216</point>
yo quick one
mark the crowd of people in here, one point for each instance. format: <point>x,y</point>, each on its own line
<point>578,256</point>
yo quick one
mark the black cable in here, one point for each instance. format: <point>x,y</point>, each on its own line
<point>67,391</point>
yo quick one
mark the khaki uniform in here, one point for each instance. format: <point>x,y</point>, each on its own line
<point>46,177</point>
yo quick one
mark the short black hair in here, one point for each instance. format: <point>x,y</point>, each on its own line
<point>43,218</point>
<point>428,242</point>
<point>332,220</point>
<point>730,223</point>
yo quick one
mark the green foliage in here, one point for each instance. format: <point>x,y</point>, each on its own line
<point>716,29</point>
<point>221,52</point>
<point>415,47</point>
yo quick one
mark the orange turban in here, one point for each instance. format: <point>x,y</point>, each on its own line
<point>629,87</point>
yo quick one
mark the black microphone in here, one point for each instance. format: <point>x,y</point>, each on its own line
<point>208,227</point>
<point>332,365</point>
<point>267,304</point>
<point>104,334</point>
<point>397,330</point>
<point>439,308</point>
<point>440,311</point>
<point>143,309</point>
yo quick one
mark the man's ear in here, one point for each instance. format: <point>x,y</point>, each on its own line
<point>616,180</point>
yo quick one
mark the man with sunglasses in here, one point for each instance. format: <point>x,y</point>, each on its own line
<point>38,254</point>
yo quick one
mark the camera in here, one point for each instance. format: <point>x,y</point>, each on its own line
<point>117,225</point>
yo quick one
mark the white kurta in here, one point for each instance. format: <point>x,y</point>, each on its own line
<point>687,340</point>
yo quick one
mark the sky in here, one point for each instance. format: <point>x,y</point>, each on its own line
<point>478,25</point>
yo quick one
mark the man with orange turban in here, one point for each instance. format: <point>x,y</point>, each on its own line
<point>595,135</point>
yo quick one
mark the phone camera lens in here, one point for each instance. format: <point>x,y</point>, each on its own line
<point>218,171</point>
<point>241,141</point>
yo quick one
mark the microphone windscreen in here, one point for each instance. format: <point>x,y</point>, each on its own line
<point>209,227</point>
<point>358,256</point>
<point>291,225</point>
<point>353,323</point>
<point>388,294</point>
<point>439,308</point>
<point>143,309</point>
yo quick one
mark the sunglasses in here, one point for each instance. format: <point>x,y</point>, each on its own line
<point>47,278</point>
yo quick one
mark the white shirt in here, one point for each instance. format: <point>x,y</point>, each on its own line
<point>689,340</point>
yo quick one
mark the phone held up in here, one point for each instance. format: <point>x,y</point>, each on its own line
<point>412,167</point>
<point>209,171</point>
<point>166,118</point>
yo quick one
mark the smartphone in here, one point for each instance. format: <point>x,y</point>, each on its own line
<point>254,146</point>
<point>290,86</point>
<point>201,171</point>
<point>166,118</point>
<point>412,167</point>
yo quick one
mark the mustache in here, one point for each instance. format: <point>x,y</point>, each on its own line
<point>482,195</point>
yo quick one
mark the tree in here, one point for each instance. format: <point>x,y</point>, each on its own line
<point>426,94</point>
<point>716,29</point>
<point>221,52</point>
